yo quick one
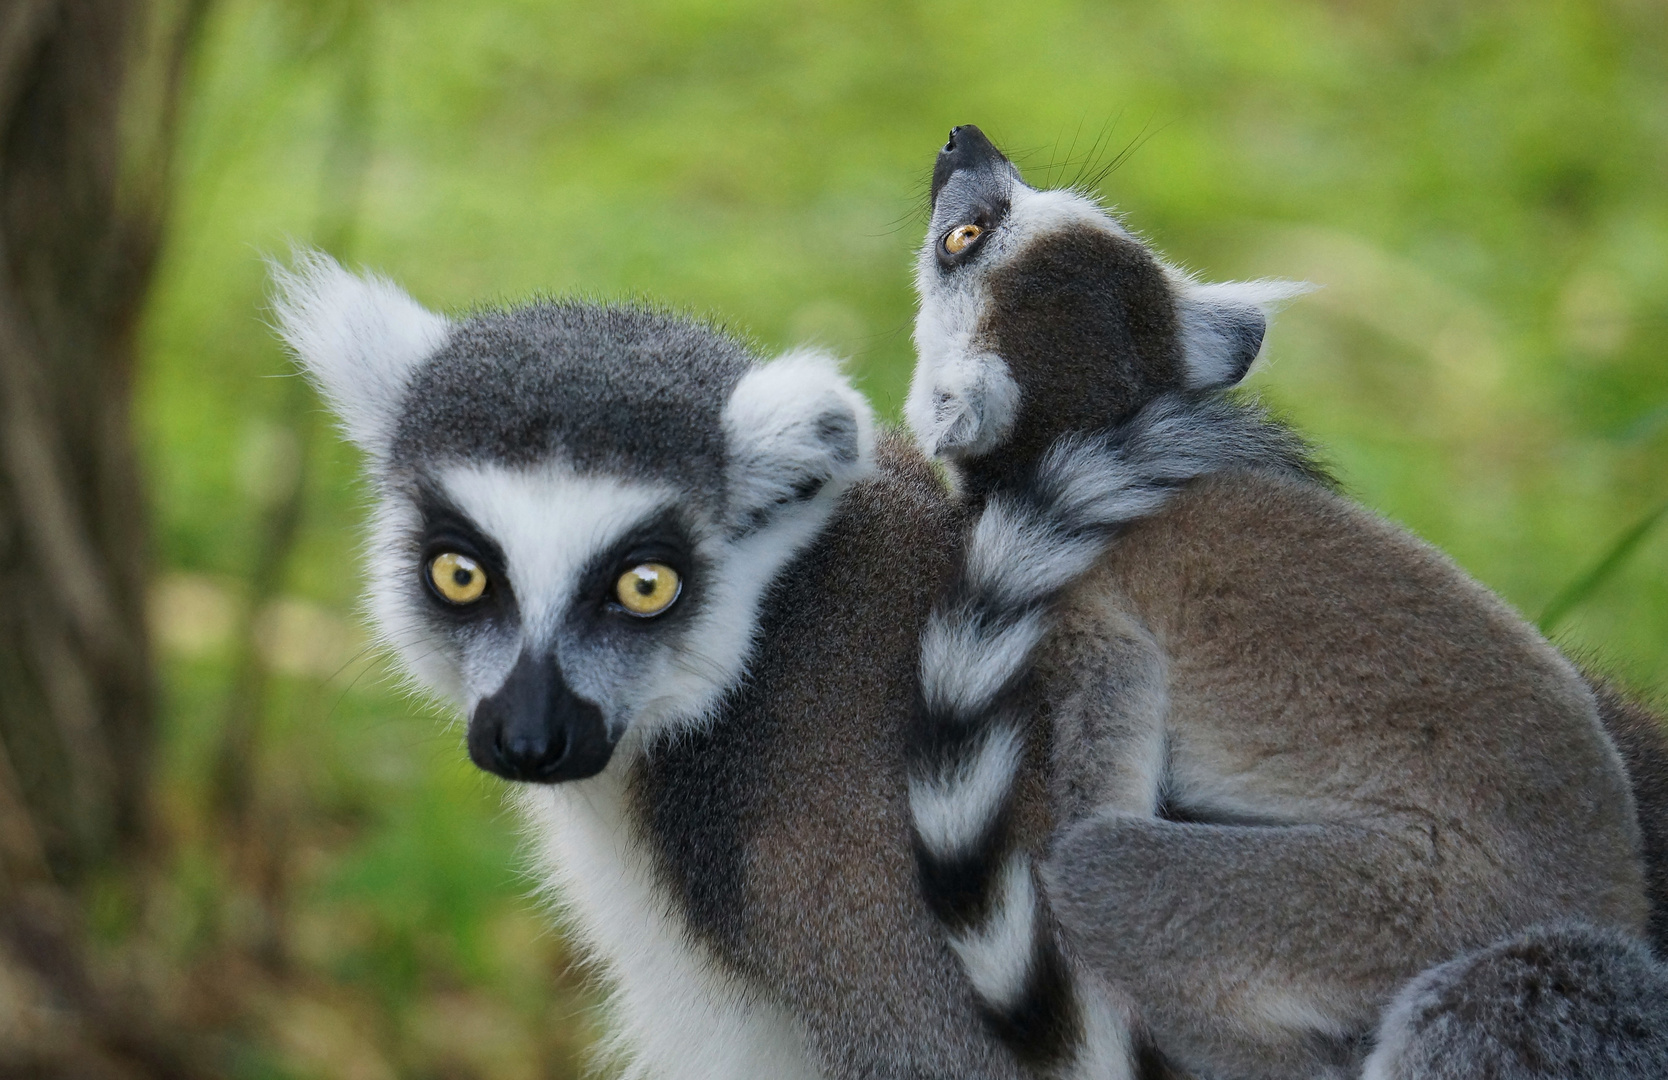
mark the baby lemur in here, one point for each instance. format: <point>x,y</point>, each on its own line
<point>1296,754</point>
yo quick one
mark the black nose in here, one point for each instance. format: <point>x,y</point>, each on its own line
<point>536,729</point>
<point>967,149</point>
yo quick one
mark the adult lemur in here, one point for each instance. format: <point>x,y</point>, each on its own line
<point>1297,755</point>
<point>681,593</point>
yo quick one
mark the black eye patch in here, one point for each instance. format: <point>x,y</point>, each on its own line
<point>447,529</point>
<point>665,539</point>
<point>971,198</point>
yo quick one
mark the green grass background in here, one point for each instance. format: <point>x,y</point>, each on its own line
<point>1481,188</point>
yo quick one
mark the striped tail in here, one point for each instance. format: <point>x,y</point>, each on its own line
<point>967,738</point>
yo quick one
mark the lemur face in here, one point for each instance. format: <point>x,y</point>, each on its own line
<point>579,508</point>
<point>1041,314</point>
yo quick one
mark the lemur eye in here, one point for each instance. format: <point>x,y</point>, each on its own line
<point>648,589</point>
<point>957,239</point>
<point>457,578</point>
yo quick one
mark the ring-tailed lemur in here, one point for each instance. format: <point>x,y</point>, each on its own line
<point>1299,755</point>
<point>682,592</point>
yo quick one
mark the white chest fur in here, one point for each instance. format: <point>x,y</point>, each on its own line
<point>677,1015</point>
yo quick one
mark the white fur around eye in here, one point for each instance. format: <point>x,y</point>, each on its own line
<point>551,522</point>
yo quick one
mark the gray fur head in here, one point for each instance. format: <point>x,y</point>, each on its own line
<point>1041,314</point>
<point>557,448</point>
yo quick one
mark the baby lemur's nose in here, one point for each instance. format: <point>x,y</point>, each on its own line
<point>967,149</point>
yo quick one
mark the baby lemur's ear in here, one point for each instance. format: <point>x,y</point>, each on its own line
<point>796,428</point>
<point>1223,325</point>
<point>357,338</point>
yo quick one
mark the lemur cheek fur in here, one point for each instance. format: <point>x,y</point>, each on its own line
<point>965,406</point>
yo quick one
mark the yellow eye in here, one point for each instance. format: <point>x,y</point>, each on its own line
<point>460,579</point>
<point>957,239</point>
<point>648,589</point>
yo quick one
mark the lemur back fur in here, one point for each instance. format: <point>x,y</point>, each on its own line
<point>1297,755</point>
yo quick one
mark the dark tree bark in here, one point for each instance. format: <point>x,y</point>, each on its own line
<point>88,92</point>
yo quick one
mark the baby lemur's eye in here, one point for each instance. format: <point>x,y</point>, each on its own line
<point>648,589</point>
<point>457,578</point>
<point>957,239</point>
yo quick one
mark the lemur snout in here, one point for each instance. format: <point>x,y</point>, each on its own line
<point>536,729</point>
<point>967,149</point>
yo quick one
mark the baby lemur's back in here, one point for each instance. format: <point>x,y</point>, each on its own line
<point>1297,753</point>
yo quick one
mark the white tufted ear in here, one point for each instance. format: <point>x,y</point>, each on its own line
<point>357,338</point>
<point>796,428</point>
<point>1223,325</point>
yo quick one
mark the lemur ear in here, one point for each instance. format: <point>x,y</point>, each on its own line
<point>357,338</point>
<point>796,427</point>
<point>1223,325</point>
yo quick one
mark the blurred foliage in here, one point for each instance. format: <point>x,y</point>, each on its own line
<point>1482,189</point>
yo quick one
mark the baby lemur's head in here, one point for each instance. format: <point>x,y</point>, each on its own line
<point>1041,315</point>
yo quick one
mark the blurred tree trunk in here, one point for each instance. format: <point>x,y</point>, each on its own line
<point>88,92</point>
